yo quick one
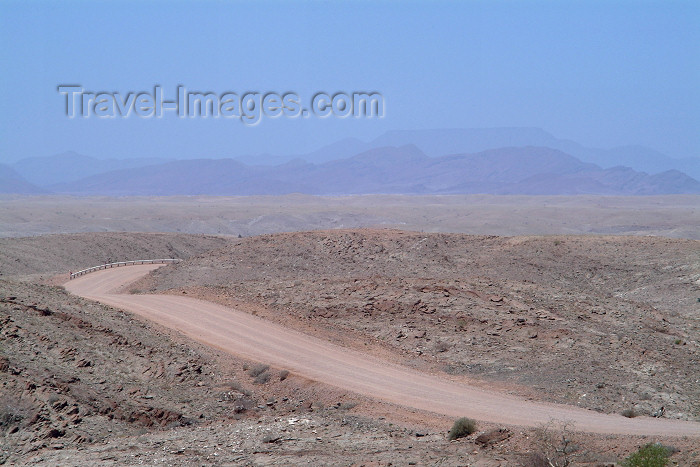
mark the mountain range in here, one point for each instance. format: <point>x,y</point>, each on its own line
<point>12,182</point>
<point>433,162</point>
<point>69,166</point>
<point>442,142</point>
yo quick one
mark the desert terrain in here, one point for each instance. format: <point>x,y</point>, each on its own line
<point>675,216</point>
<point>607,324</point>
<point>350,233</point>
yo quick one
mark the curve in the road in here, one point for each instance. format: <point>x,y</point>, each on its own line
<point>248,336</point>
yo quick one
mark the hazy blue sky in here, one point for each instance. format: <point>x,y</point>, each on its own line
<point>601,73</point>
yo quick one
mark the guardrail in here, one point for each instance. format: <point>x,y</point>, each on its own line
<point>73,275</point>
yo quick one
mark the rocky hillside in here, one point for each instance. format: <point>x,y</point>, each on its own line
<point>608,323</point>
<point>62,252</point>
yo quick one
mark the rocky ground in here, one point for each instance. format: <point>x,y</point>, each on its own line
<point>547,317</point>
<point>86,384</point>
<point>59,253</point>
<point>607,323</point>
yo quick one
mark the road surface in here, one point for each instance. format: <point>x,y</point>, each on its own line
<point>248,336</point>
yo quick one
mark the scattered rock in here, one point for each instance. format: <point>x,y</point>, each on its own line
<point>55,433</point>
<point>493,437</point>
<point>83,363</point>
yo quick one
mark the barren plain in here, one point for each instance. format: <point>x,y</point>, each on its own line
<point>669,216</point>
<point>608,323</point>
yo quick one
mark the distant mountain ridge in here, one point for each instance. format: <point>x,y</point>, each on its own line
<point>476,160</point>
<point>13,182</point>
<point>70,166</point>
<point>441,142</point>
<point>405,169</point>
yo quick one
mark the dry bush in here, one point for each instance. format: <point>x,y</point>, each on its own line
<point>257,370</point>
<point>462,427</point>
<point>236,386</point>
<point>262,378</point>
<point>554,446</point>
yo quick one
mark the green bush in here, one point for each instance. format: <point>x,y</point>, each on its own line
<point>462,427</point>
<point>651,455</point>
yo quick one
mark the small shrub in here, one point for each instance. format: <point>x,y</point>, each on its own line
<point>236,386</point>
<point>651,455</point>
<point>629,413</point>
<point>347,405</point>
<point>553,445</point>
<point>462,427</point>
<point>283,375</point>
<point>257,370</point>
<point>262,378</point>
<point>678,342</point>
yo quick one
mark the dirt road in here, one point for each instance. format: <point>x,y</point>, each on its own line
<point>248,336</point>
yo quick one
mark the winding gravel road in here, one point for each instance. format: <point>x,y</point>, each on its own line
<point>251,337</point>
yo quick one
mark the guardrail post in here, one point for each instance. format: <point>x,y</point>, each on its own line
<point>82,272</point>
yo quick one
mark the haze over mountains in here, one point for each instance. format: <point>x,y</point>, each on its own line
<point>13,182</point>
<point>494,161</point>
<point>70,166</point>
<point>442,142</point>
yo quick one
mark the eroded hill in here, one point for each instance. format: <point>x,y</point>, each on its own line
<point>61,253</point>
